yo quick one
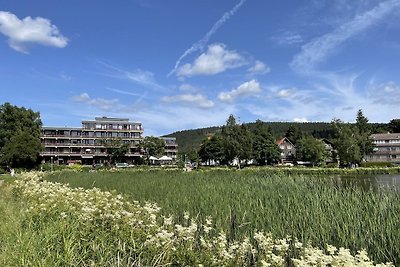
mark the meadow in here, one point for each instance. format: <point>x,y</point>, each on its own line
<point>313,210</point>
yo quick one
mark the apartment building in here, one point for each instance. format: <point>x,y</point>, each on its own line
<point>89,143</point>
<point>386,148</point>
<point>171,147</point>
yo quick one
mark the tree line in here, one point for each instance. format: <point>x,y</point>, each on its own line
<point>240,143</point>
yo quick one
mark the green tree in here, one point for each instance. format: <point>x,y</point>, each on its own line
<point>211,149</point>
<point>19,136</point>
<point>364,134</point>
<point>311,149</point>
<point>346,143</point>
<point>116,149</point>
<point>265,149</point>
<point>153,146</point>
<point>237,141</point>
<point>294,134</point>
<point>394,126</point>
<point>192,155</point>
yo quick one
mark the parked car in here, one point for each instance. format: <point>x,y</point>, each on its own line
<point>122,165</point>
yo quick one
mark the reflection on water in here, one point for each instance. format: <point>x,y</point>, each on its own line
<point>369,181</point>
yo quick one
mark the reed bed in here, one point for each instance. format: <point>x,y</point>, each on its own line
<point>52,224</point>
<point>311,209</point>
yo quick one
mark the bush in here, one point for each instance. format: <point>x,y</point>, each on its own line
<point>376,164</point>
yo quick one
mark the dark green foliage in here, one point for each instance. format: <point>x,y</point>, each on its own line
<point>212,149</point>
<point>310,149</point>
<point>265,149</point>
<point>346,143</point>
<point>116,149</point>
<point>191,139</point>
<point>394,126</point>
<point>376,164</point>
<point>19,136</point>
<point>364,132</point>
<point>294,134</point>
<point>192,156</point>
<point>153,146</point>
<point>236,140</point>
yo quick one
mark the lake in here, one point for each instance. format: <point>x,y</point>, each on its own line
<point>370,181</point>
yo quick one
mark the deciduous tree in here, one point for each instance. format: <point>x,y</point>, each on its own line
<point>116,149</point>
<point>265,149</point>
<point>311,149</point>
<point>211,149</point>
<point>153,146</point>
<point>19,136</point>
<point>346,143</point>
<point>237,141</point>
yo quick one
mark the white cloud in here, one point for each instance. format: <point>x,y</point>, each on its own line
<point>320,48</point>
<point>141,77</point>
<point>246,89</point>
<point>123,92</point>
<point>100,103</point>
<point>30,30</point>
<point>259,68</point>
<point>198,100</point>
<point>215,60</point>
<point>188,88</point>
<point>84,97</point>
<point>199,45</point>
<point>285,93</point>
<point>65,77</point>
<point>300,120</point>
<point>288,38</point>
<point>385,94</point>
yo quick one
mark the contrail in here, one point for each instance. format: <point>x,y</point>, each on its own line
<point>203,41</point>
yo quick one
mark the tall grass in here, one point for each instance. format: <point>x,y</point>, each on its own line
<point>50,224</point>
<point>311,209</point>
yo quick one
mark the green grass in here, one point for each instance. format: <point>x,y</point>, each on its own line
<point>309,208</point>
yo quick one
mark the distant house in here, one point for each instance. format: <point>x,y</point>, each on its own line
<point>330,151</point>
<point>288,150</point>
<point>386,148</point>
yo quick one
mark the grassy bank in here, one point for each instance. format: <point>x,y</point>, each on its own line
<point>241,202</point>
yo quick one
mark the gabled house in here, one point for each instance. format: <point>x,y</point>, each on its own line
<point>288,150</point>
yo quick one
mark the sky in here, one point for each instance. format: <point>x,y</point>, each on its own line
<point>176,64</point>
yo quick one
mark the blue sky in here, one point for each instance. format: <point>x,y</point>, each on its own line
<point>179,64</point>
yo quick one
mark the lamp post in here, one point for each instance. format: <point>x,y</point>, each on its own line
<point>51,163</point>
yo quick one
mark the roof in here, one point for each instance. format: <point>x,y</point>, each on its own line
<point>61,128</point>
<point>280,141</point>
<point>165,158</point>
<point>386,136</point>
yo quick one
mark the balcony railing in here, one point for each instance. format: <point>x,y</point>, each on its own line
<point>64,153</point>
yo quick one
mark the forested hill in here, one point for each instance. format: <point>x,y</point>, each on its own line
<point>191,139</point>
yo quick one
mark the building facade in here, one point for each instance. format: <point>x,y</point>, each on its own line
<point>171,147</point>
<point>92,143</point>
<point>386,148</point>
<point>288,150</point>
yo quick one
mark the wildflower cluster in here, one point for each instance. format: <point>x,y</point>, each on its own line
<point>133,233</point>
